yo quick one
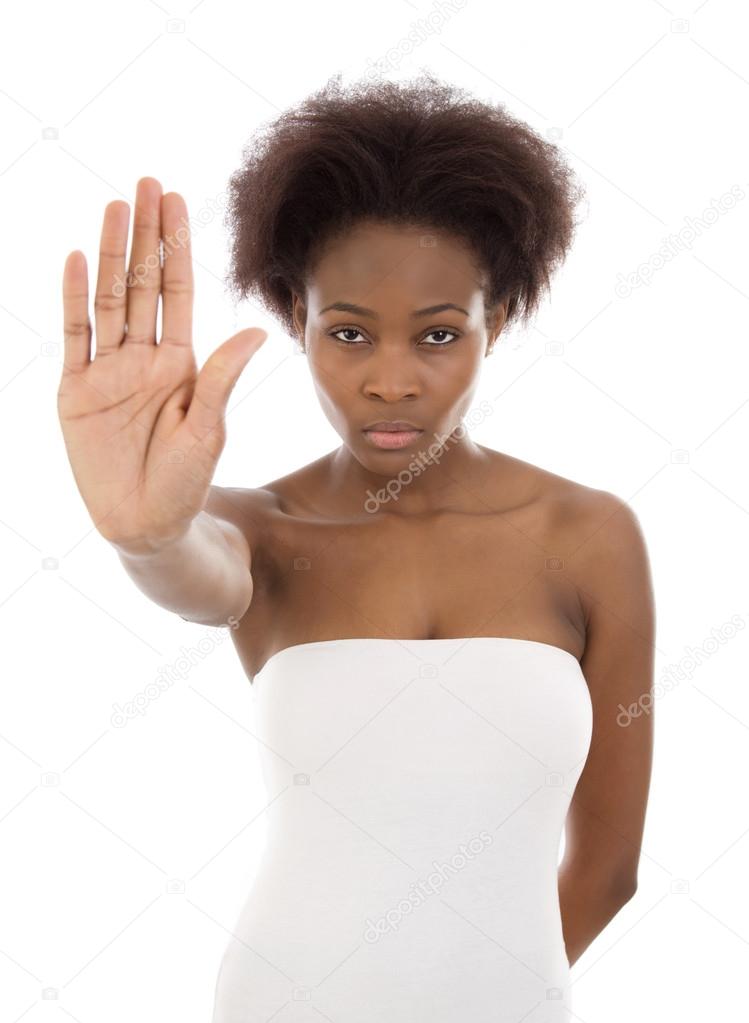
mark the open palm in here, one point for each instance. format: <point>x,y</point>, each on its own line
<point>142,428</point>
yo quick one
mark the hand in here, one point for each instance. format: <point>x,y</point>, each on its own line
<point>142,428</point>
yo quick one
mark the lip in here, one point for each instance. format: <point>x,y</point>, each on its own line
<point>394,426</point>
<point>390,436</point>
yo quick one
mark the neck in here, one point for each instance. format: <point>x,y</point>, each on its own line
<point>436,475</point>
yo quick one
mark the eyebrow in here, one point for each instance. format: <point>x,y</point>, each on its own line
<point>349,307</point>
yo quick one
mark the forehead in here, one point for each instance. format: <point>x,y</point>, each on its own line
<point>386,262</point>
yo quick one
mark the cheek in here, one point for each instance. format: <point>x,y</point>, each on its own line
<point>325,363</point>
<point>331,393</point>
<point>453,381</point>
<point>458,393</point>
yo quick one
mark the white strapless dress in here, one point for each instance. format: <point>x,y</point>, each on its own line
<point>417,792</point>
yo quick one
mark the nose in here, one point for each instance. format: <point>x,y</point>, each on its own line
<point>391,375</point>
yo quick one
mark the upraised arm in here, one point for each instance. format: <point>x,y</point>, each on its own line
<point>143,429</point>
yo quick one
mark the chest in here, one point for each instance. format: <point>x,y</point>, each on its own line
<point>443,575</point>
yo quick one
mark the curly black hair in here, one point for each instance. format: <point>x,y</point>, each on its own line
<point>421,153</point>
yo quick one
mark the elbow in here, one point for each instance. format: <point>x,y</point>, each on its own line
<point>624,887</point>
<point>613,884</point>
<point>229,617</point>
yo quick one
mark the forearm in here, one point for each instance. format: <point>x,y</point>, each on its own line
<point>587,905</point>
<point>199,576</point>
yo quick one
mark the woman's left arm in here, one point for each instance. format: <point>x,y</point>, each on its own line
<point>606,818</point>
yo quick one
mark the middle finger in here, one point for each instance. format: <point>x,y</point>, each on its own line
<point>144,275</point>
<point>177,277</point>
<point>110,299</point>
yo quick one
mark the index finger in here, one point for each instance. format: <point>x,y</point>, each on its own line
<point>76,322</point>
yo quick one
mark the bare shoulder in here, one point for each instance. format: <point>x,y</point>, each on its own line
<point>603,547</point>
<point>246,508</point>
<point>252,509</point>
<point>602,528</point>
<point>582,513</point>
<point>596,532</point>
<point>565,506</point>
<point>599,541</point>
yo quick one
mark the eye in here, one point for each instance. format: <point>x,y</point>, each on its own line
<point>355,330</point>
<point>341,330</point>
<point>443,330</point>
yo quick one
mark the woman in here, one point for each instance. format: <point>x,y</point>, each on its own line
<point>441,638</point>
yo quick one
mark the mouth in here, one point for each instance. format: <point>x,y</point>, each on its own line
<point>391,435</point>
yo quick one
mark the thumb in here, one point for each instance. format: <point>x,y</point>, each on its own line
<point>217,378</point>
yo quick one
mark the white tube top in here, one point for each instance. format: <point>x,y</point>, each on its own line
<point>417,791</point>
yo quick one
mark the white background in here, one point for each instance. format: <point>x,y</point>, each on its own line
<point>643,394</point>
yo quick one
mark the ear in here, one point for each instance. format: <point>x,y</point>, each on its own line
<point>496,324</point>
<point>299,316</point>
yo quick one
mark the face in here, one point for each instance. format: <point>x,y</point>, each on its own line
<point>394,326</point>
